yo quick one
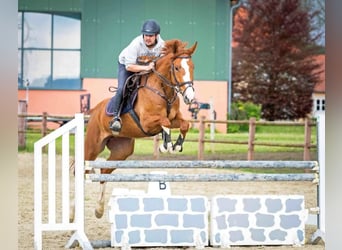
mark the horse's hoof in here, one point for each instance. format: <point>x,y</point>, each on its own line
<point>71,218</point>
<point>178,148</point>
<point>98,214</point>
<point>162,149</point>
<point>72,211</point>
<point>172,150</point>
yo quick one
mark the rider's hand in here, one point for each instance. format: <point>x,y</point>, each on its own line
<point>150,66</point>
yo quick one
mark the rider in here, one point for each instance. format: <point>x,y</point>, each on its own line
<point>149,43</point>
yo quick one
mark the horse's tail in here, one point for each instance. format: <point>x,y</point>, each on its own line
<point>72,167</point>
<point>98,110</point>
<point>90,111</point>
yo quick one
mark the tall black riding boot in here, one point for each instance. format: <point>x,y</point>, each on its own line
<point>115,123</point>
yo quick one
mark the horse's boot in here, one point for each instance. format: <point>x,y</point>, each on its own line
<point>115,123</point>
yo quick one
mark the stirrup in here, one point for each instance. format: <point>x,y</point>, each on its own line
<point>115,124</point>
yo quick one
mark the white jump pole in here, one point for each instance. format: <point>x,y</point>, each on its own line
<point>320,232</point>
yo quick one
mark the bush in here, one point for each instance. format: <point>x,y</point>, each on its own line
<point>243,111</point>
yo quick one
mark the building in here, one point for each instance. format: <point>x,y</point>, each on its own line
<point>68,49</point>
<point>318,95</point>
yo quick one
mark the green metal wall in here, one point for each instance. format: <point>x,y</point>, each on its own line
<point>109,25</point>
<point>50,5</point>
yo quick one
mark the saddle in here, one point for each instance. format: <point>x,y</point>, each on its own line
<point>130,88</point>
<point>129,94</point>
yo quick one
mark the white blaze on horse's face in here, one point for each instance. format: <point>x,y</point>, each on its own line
<point>189,93</point>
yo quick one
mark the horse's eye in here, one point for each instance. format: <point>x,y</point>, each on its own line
<point>176,68</point>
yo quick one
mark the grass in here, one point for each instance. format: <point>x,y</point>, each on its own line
<point>268,133</point>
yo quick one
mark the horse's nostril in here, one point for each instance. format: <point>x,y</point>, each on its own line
<point>189,95</point>
<point>187,100</point>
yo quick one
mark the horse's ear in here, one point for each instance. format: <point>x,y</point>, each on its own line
<point>178,45</point>
<point>171,46</point>
<point>193,48</point>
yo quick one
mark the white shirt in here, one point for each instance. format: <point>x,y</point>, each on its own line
<point>138,48</point>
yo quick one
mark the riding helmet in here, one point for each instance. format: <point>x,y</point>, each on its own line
<point>150,27</point>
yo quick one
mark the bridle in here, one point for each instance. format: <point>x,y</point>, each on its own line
<point>180,84</point>
<point>176,86</point>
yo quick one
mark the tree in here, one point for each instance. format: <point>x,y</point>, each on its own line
<point>319,19</point>
<point>273,61</point>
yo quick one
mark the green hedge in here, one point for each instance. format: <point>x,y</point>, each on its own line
<point>243,111</point>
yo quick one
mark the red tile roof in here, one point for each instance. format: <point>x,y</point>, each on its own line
<point>320,86</point>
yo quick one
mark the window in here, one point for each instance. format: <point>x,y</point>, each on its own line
<point>49,50</point>
<point>320,105</point>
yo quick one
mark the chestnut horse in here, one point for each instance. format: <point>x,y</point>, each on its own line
<point>156,106</point>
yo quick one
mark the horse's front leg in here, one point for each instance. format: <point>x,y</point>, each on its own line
<point>183,128</point>
<point>166,146</point>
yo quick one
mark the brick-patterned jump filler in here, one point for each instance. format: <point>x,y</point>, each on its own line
<point>161,219</point>
<point>150,220</point>
<point>257,220</point>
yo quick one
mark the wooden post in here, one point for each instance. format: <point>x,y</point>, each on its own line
<point>307,140</point>
<point>251,137</point>
<point>22,125</point>
<point>44,124</point>
<point>201,128</point>
<point>44,128</point>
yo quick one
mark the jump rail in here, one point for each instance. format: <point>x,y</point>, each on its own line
<point>202,164</point>
<point>199,177</point>
<point>312,165</point>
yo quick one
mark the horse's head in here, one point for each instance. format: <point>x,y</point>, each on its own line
<point>182,68</point>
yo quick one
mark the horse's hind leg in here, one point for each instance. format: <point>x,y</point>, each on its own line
<point>120,148</point>
<point>99,210</point>
<point>92,148</point>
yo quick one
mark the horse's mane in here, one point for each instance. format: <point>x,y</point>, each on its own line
<point>175,47</point>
